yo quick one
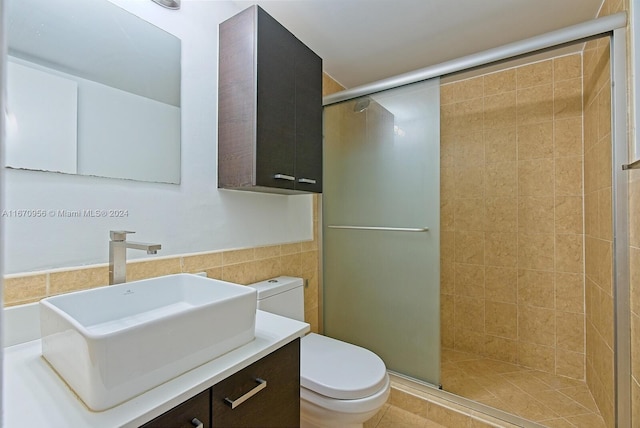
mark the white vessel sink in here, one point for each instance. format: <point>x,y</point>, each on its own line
<point>112,343</point>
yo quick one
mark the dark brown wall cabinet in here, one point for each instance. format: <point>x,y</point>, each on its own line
<point>269,107</point>
<point>264,394</point>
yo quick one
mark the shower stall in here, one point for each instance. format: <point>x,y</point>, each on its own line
<point>475,229</point>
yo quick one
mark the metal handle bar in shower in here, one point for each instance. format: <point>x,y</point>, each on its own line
<point>386,229</point>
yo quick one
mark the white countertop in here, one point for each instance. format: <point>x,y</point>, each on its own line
<point>35,396</point>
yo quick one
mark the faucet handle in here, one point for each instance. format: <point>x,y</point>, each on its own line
<point>119,235</point>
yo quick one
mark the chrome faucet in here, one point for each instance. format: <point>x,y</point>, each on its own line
<point>118,254</point>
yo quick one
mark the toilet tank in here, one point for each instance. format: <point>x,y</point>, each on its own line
<point>283,295</point>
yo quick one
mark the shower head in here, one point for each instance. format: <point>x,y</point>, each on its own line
<point>362,104</point>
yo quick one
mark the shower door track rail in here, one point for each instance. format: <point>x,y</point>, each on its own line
<point>614,27</point>
<point>553,39</point>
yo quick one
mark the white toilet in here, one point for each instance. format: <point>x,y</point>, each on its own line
<point>341,385</point>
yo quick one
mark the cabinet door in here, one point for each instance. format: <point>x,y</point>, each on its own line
<point>183,415</point>
<point>308,75</point>
<point>275,126</point>
<point>276,405</point>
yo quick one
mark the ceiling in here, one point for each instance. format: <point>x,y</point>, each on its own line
<point>363,41</point>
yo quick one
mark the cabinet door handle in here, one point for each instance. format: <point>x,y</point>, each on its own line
<point>262,384</point>
<point>284,177</point>
<point>197,423</point>
<point>307,180</point>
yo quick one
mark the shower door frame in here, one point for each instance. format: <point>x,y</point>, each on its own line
<point>613,27</point>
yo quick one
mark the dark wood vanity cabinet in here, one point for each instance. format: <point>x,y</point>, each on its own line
<point>275,405</point>
<point>269,107</point>
<point>264,394</point>
<point>186,415</point>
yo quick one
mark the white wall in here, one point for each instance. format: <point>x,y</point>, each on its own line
<point>191,217</point>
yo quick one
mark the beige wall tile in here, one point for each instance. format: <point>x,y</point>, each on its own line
<point>535,104</point>
<point>79,279</point>
<point>536,177</point>
<point>500,145</point>
<point>536,288</point>
<point>501,319</point>
<point>536,356</point>
<point>569,176</point>
<point>469,280</point>
<point>214,273</point>
<point>567,99</point>
<point>291,265</point>
<point>499,82</point>
<point>469,214</point>
<point>469,247</point>
<point>568,137</point>
<point>501,249</point>
<point>469,183</point>
<point>538,73</point>
<point>447,218</point>
<point>469,341</point>
<point>468,89</point>
<point>535,141</point>
<point>309,261</point>
<point>469,149</point>
<point>568,214</point>
<point>500,180</point>
<point>267,252</point>
<point>267,268</point>
<point>570,364</point>
<point>500,214</point>
<point>240,273</point>
<point>469,314</point>
<point>293,248</point>
<point>536,214</point>
<point>500,110</point>
<point>537,325</point>
<point>570,331</point>
<point>567,67</point>
<point>569,292</point>
<point>24,289</point>
<point>501,349</point>
<point>501,284</point>
<point>238,256</point>
<point>536,251</point>
<point>569,253</point>
<point>153,268</point>
<point>201,262</point>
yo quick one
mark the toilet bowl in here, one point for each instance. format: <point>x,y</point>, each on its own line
<point>341,385</point>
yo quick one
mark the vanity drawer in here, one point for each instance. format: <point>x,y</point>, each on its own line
<point>182,416</point>
<point>265,394</point>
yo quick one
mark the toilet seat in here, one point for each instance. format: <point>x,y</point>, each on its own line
<point>340,370</point>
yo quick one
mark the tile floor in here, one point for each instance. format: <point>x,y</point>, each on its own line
<point>552,401</point>
<point>395,417</point>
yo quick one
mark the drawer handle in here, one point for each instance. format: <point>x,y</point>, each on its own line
<point>284,177</point>
<point>262,384</point>
<point>197,423</point>
<point>307,181</point>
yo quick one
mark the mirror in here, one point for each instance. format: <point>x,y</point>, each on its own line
<point>92,90</point>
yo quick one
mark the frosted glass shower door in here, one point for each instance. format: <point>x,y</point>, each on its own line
<point>381,226</point>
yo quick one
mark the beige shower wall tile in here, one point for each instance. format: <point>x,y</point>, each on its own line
<point>238,256</point>
<point>500,110</point>
<point>535,141</point>
<point>605,214</point>
<point>536,356</point>
<point>535,74</point>
<point>536,214</point>
<point>569,253</point>
<point>447,278</point>
<point>536,251</point>
<point>24,289</point>
<point>469,214</point>
<point>469,280</point>
<point>570,332</point>
<point>267,252</point>
<point>567,100</point>
<point>469,341</point>
<point>535,104</point>
<point>567,67</point>
<point>469,183</point>
<point>500,214</point>
<point>469,314</point>
<point>153,268</point>
<point>499,82</point>
<point>500,145</point>
<point>447,218</point>
<point>501,249</point>
<point>469,149</point>
<point>568,137</point>
<point>536,288</point>
<point>536,177</point>
<point>501,284</point>
<point>291,265</point>
<point>501,349</point>
<point>464,89</point>
<point>569,292</point>
<point>469,247</point>
<point>240,273</point>
<point>201,262</point>
<point>501,319</point>
<point>500,180</point>
<point>309,261</point>
<point>266,269</point>
<point>568,214</point>
<point>80,279</point>
<point>568,176</point>
<point>537,325</point>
